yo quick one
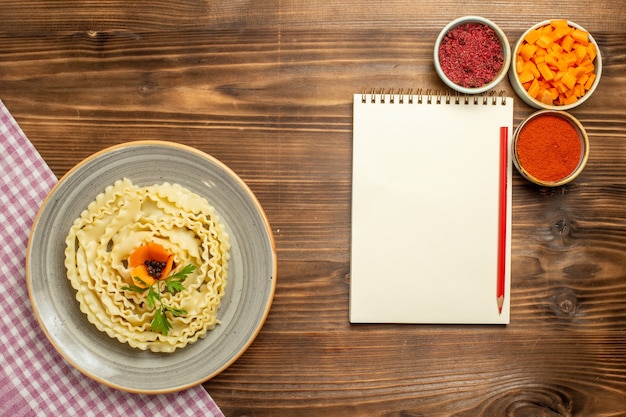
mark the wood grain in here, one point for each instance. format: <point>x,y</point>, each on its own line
<point>266,87</point>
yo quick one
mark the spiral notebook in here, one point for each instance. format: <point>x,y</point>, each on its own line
<point>426,201</point>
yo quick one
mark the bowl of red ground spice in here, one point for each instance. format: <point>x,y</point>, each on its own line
<point>472,55</point>
<point>550,148</point>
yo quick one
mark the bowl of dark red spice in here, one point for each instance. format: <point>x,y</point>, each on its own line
<point>556,65</point>
<point>472,55</point>
<point>550,148</point>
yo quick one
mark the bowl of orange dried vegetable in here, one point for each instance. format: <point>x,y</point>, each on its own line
<point>556,65</point>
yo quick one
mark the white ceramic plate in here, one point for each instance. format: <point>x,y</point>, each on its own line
<point>251,280</point>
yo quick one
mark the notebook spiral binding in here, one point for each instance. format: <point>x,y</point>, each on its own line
<point>430,96</point>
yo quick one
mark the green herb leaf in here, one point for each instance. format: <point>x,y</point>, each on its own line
<point>173,284</point>
<point>176,312</point>
<point>182,274</point>
<point>160,323</point>
<point>135,288</point>
<point>153,296</point>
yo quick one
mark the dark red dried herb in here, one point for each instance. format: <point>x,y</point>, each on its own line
<point>471,55</point>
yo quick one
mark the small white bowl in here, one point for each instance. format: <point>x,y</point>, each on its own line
<point>531,101</point>
<point>506,54</point>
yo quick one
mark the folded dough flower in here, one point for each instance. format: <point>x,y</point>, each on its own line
<point>118,229</point>
<point>150,262</point>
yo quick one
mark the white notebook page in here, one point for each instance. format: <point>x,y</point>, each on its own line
<point>425,203</point>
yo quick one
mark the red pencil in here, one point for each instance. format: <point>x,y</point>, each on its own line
<point>504,163</point>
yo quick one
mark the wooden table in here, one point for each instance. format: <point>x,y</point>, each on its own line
<point>266,87</point>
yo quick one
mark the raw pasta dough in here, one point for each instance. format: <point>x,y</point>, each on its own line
<point>123,218</point>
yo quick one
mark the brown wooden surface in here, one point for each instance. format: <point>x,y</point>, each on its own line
<point>265,86</point>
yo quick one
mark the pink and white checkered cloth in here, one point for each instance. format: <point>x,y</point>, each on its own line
<point>35,380</point>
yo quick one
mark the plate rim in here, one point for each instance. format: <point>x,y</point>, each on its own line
<point>265,224</point>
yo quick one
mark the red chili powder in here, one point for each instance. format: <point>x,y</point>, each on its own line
<point>549,148</point>
<point>471,55</point>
